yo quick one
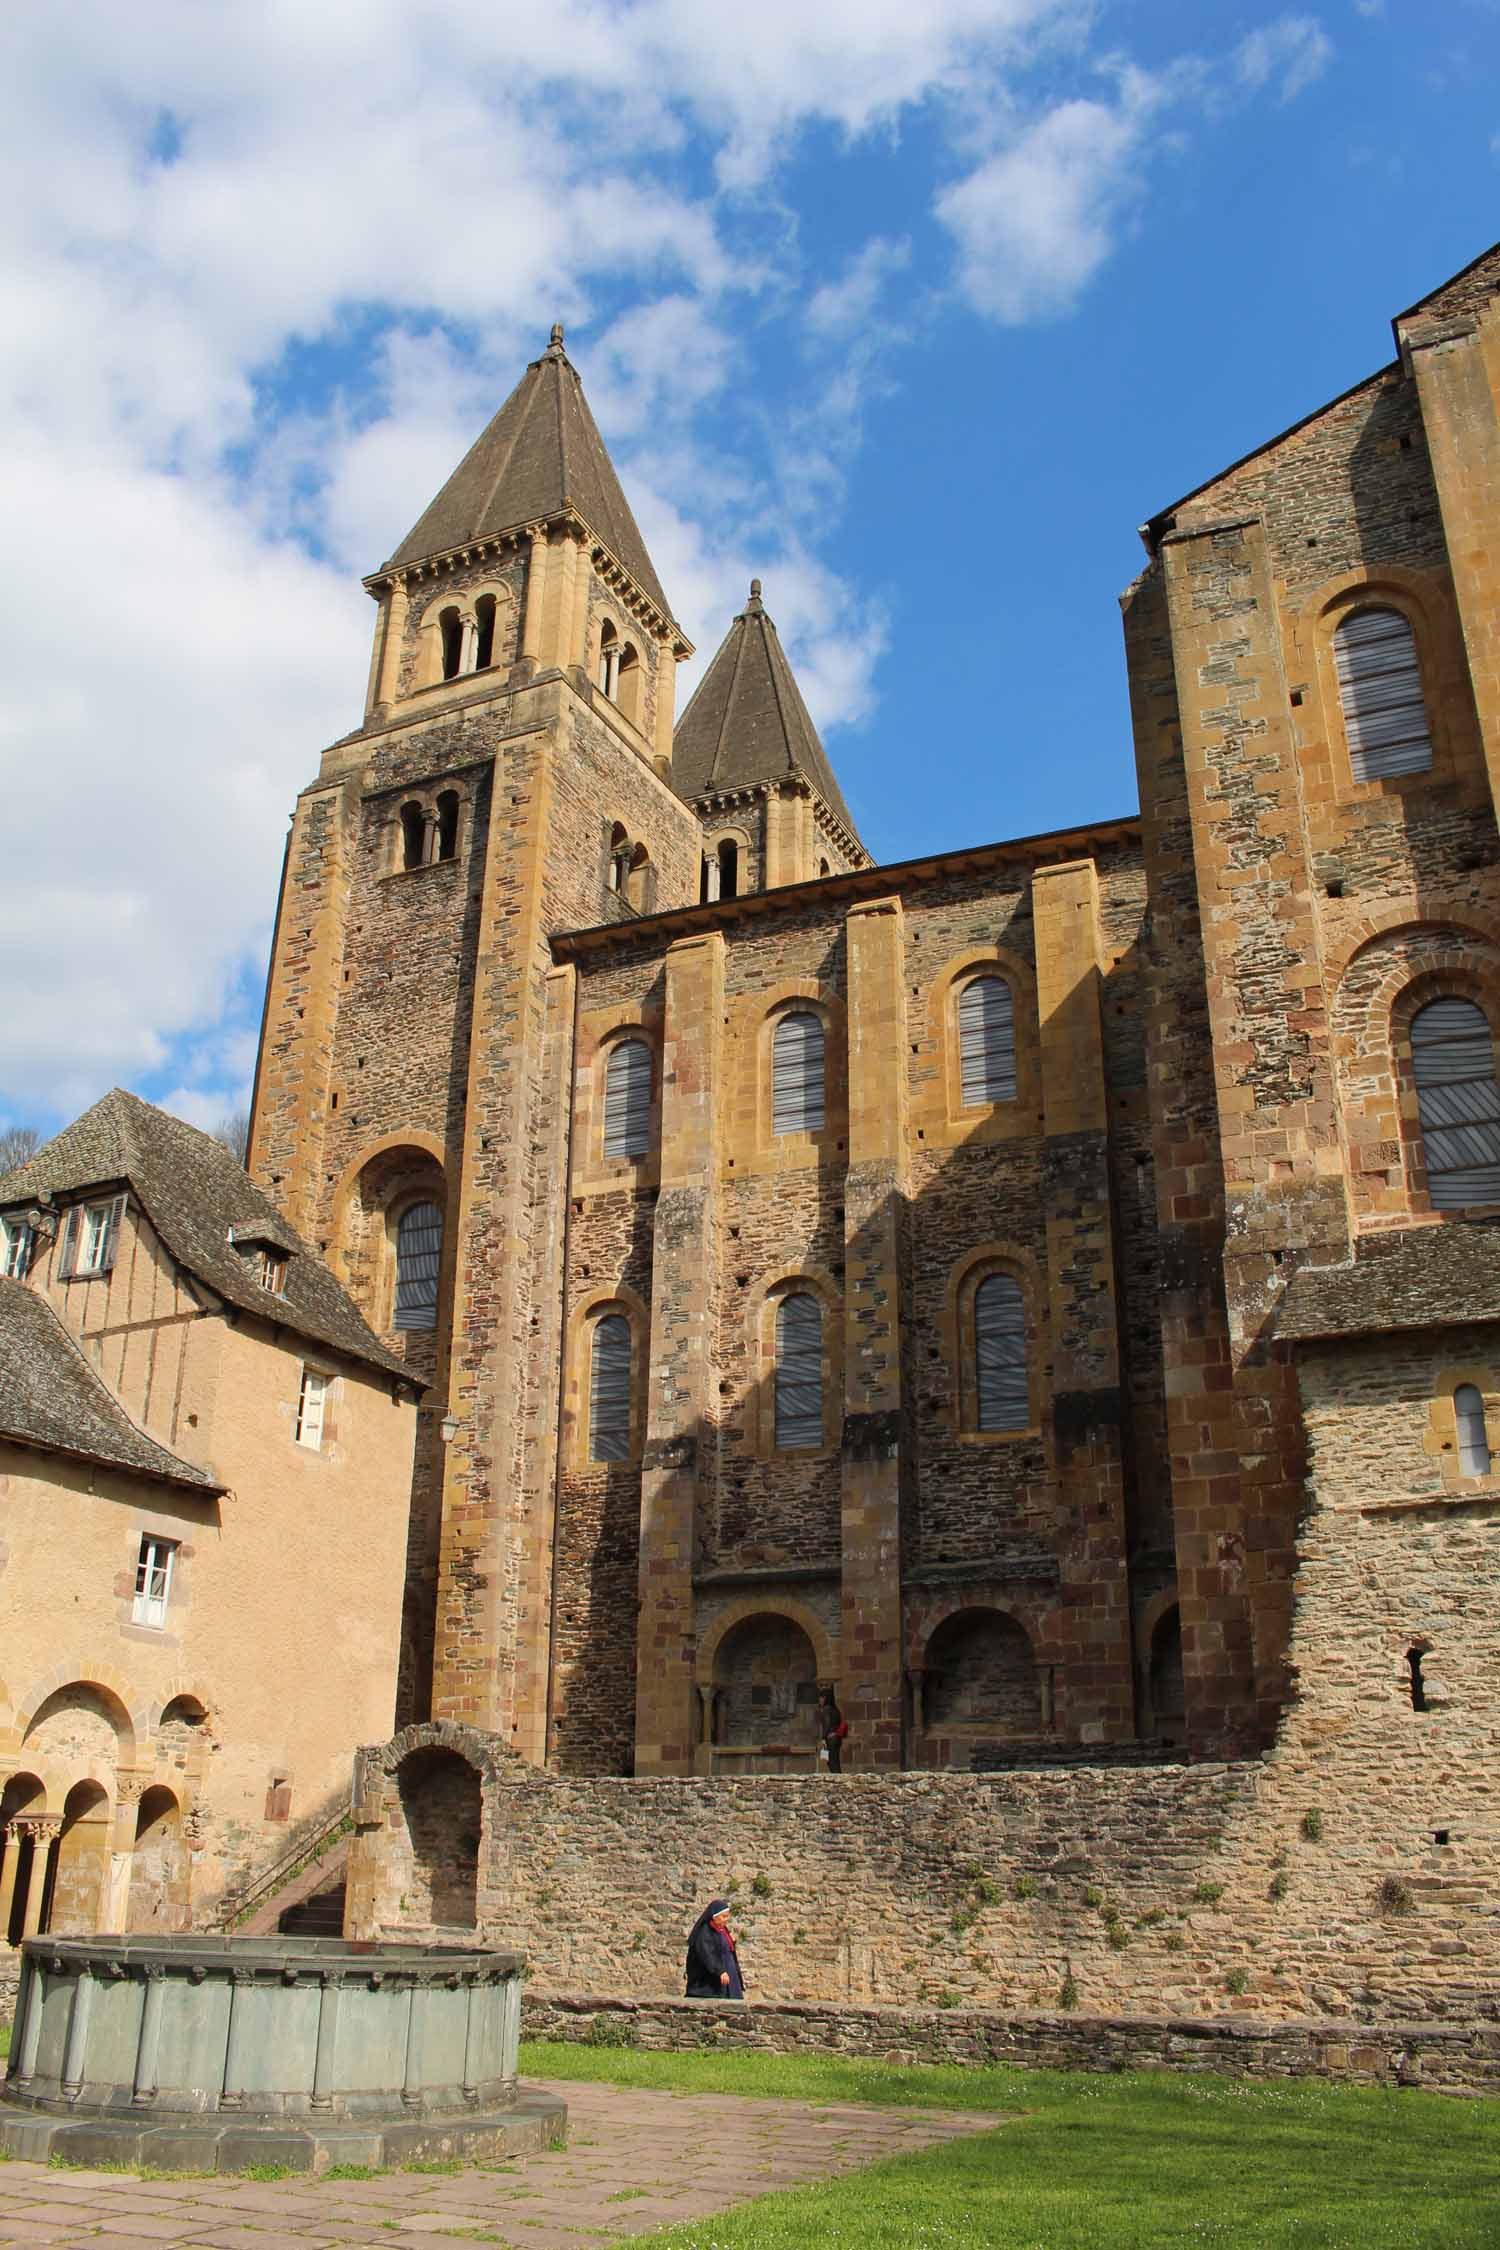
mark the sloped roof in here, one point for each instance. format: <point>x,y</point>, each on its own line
<point>51,1397</point>
<point>747,721</point>
<point>194,1192</point>
<point>1422,1277</point>
<point>541,454</point>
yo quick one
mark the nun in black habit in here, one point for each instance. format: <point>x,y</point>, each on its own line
<point>713,1969</point>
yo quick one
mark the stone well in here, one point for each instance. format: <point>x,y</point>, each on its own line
<point>214,2053</point>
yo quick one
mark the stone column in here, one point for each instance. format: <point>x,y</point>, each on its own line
<point>1083,1308</point>
<point>875,1257</point>
<point>10,1860</point>
<point>683,1357</point>
<point>43,1829</point>
<point>531,612</point>
<point>385,656</point>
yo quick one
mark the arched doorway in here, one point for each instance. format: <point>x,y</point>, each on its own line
<point>1167,1697</point>
<point>159,1866</point>
<point>441,1803</point>
<point>765,1698</point>
<point>979,1685</point>
<point>80,1883</point>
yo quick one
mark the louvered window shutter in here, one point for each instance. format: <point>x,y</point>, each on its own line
<point>987,1041</point>
<point>627,1099</point>
<point>419,1251</point>
<point>1458,1101</point>
<point>1000,1354</point>
<point>1380,687</point>
<point>609,1390</point>
<point>797,1075</point>
<point>67,1256</point>
<point>1473,1443</point>
<point>799,1373</point>
<point>110,1244</point>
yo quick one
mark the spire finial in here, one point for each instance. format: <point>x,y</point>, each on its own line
<point>755,592</point>
<point>557,335</point>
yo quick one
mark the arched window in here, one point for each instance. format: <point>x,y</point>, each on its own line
<point>413,836</point>
<point>799,1373</point>
<point>609,1389</point>
<point>1458,1103</point>
<point>729,868</point>
<point>451,626</point>
<point>609,659</point>
<point>1473,1440</point>
<point>703,880</point>
<point>447,824</point>
<point>619,858</point>
<point>1380,688</point>
<point>484,632</point>
<point>797,1074</point>
<point>1001,1395</point>
<point>627,1099</point>
<point>628,684</point>
<point>419,1249</point>
<point>986,1042</point>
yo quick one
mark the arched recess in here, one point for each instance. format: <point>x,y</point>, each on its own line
<point>440,1805</point>
<point>980,1673</point>
<point>82,1728</point>
<point>80,1883</point>
<point>183,1733</point>
<point>764,1689</point>
<point>159,1899</point>
<point>1165,1713</point>
<point>398,1172</point>
<point>738,1613</point>
<point>22,1793</point>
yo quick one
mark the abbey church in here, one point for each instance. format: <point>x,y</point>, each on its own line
<point>949,1284</point>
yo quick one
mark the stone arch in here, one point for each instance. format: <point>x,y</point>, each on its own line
<point>736,1613</point>
<point>791,997</point>
<point>159,1900</point>
<point>1431,614</point>
<point>439,1798</point>
<point>23,1797</point>
<point>764,1682</point>
<point>961,1343</point>
<point>83,1726</point>
<point>388,1177</point>
<point>606,1299</point>
<point>980,1672</point>
<point>761,1352</point>
<point>183,1732</point>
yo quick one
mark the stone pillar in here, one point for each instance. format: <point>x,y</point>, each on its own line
<point>10,1860</point>
<point>385,655</point>
<point>468,657</point>
<point>666,694</point>
<point>43,1829</point>
<point>875,1437</point>
<point>531,613</point>
<point>1083,1310</point>
<point>713,876</point>
<point>683,1358</point>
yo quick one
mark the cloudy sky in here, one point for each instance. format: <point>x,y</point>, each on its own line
<point>913,311</point>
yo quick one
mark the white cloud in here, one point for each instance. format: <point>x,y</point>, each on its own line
<point>1293,50</point>
<point>845,306</point>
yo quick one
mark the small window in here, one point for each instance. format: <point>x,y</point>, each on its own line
<point>1380,688</point>
<point>484,632</point>
<point>729,868</point>
<point>1458,1103</point>
<point>628,684</point>
<point>797,1074</point>
<point>91,1234</point>
<point>16,1244</point>
<point>609,1390</point>
<point>609,659</point>
<point>310,1405</point>
<point>153,1581</point>
<point>1000,1386</point>
<point>627,1099</point>
<point>1473,1439</point>
<point>986,1042</point>
<point>447,824</point>
<point>413,836</point>
<point>270,1271</point>
<point>419,1250</point>
<point>451,627</point>
<point>799,1373</point>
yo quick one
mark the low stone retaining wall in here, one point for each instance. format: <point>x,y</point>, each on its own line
<point>1450,2058</point>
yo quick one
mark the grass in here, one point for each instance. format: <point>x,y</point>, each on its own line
<point>1134,2161</point>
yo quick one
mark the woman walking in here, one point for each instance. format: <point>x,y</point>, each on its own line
<point>713,1969</point>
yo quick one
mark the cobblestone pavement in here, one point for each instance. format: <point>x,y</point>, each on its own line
<point>634,2160</point>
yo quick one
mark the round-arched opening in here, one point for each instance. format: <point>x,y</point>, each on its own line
<point>82,1724</point>
<point>413,835</point>
<point>729,868</point>
<point>628,684</point>
<point>1168,1695</point>
<point>451,627</point>
<point>441,1806</point>
<point>158,1866</point>
<point>447,824</point>
<point>181,1730</point>
<point>484,632</point>
<point>980,1672</point>
<point>80,1878</point>
<point>23,1793</point>
<point>766,1687</point>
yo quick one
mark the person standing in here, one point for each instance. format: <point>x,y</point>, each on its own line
<point>713,1968</point>
<point>832,1728</point>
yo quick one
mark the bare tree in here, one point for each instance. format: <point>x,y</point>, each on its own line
<point>233,1132</point>
<point>18,1144</point>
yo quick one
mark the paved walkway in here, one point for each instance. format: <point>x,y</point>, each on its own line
<point>634,2160</point>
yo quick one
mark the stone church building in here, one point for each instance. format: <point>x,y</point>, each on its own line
<point>951,1283</point>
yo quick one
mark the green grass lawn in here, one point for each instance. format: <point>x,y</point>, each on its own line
<point>1118,2162</point>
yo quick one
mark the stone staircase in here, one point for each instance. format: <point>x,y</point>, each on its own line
<point>301,1893</point>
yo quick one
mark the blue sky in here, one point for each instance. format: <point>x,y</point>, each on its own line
<point>915,314</point>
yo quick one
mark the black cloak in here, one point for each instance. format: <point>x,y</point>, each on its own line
<point>711,1956</point>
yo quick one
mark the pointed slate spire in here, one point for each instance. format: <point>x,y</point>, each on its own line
<point>542,453</point>
<point>747,721</point>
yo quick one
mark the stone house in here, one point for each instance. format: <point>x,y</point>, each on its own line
<point>205,1471</point>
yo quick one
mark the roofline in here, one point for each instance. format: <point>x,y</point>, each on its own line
<point>856,882</point>
<point>1427,296</point>
<point>204,1487</point>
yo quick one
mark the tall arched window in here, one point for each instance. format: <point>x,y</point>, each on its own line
<point>484,632</point>
<point>797,1074</point>
<point>729,868</point>
<point>1001,1395</point>
<point>627,1099</point>
<point>1458,1102</point>
<point>1473,1439</point>
<point>619,857</point>
<point>609,659</point>
<point>986,1041</point>
<point>451,626</point>
<point>799,1373</point>
<point>609,1389</point>
<point>1380,688</point>
<point>413,836</point>
<point>628,684</point>
<point>419,1250</point>
<point>447,824</point>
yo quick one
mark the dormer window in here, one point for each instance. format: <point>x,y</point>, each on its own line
<point>91,1233</point>
<point>266,1258</point>
<point>270,1271</point>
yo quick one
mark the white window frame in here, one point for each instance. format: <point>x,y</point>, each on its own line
<point>153,1580</point>
<point>312,1406</point>
<point>19,1238</point>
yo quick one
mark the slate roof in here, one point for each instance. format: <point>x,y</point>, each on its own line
<point>194,1192</point>
<point>747,722</point>
<point>541,454</point>
<point>51,1397</point>
<point>1424,1277</point>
